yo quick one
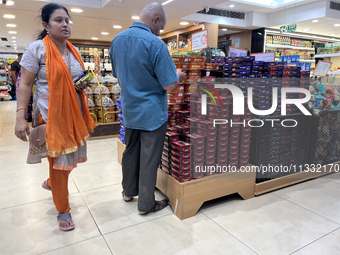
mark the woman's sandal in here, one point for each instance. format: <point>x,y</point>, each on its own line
<point>46,186</point>
<point>66,217</point>
<point>159,205</point>
<point>124,198</point>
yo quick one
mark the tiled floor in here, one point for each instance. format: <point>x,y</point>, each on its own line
<point>302,220</point>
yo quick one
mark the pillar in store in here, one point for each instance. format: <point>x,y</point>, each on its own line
<point>212,34</point>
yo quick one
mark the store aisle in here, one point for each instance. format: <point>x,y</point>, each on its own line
<point>302,219</point>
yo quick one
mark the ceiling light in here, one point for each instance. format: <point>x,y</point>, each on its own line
<point>231,6</point>
<point>14,44</point>
<point>135,17</point>
<point>9,16</point>
<point>224,29</point>
<point>117,26</point>
<point>337,25</point>
<point>12,32</point>
<point>104,33</point>
<point>183,23</point>
<point>94,38</point>
<point>10,3</point>
<point>161,31</point>
<point>14,41</point>
<point>315,21</point>
<point>166,2</point>
<point>76,10</point>
<point>71,22</point>
<point>11,25</point>
<point>14,37</point>
<point>306,30</point>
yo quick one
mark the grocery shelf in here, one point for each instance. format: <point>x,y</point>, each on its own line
<point>301,60</point>
<point>327,55</point>
<point>288,47</point>
<point>333,72</point>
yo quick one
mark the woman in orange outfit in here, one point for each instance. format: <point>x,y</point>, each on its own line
<point>53,64</point>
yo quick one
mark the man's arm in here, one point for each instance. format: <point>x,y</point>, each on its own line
<point>173,86</point>
<point>14,77</point>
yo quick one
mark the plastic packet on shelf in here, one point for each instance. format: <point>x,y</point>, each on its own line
<point>90,103</point>
<point>106,101</point>
<point>105,90</point>
<point>88,91</point>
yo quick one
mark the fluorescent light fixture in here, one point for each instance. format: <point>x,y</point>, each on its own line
<point>9,16</point>
<point>300,35</point>
<point>315,21</point>
<point>337,25</point>
<point>273,4</point>
<point>10,3</point>
<point>11,25</point>
<point>12,32</point>
<point>231,6</point>
<point>306,30</point>
<point>104,33</point>
<point>161,31</point>
<point>135,17</point>
<point>166,2</point>
<point>14,44</point>
<point>14,37</point>
<point>76,10</point>
<point>224,29</point>
<point>184,23</point>
<point>117,26</point>
<point>14,41</point>
<point>94,38</point>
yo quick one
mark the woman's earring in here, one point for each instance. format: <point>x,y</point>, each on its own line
<point>48,31</point>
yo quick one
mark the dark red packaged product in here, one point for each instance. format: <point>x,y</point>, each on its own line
<point>223,154</point>
<point>183,114</point>
<point>194,139</point>
<point>223,131</point>
<point>197,176</point>
<point>223,137</point>
<point>180,166</point>
<point>196,166</point>
<point>234,135</point>
<point>235,129</point>
<point>234,152</point>
<point>206,132</point>
<point>218,108</point>
<point>166,158</point>
<point>292,68</point>
<point>180,160</point>
<point>210,118</point>
<point>170,129</point>
<point>179,121</point>
<point>248,113</point>
<point>246,134</point>
<point>237,118</point>
<point>223,143</point>
<point>244,162</point>
<point>245,140</point>
<point>179,172</point>
<point>165,169</point>
<point>166,153</point>
<point>182,129</point>
<point>221,160</point>
<point>234,141</point>
<point>197,159</point>
<point>210,150</point>
<point>192,122</point>
<point>202,117</point>
<point>211,144</point>
<point>197,153</point>
<point>172,136</point>
<point>210,156</point>
<point>181,178</point>
<point>198,147</point>
<point>211,138</point>
<point>233,157</point>
<point>180,146</point>
<point>245,152</point>
<point>223,149</point>
<point>164,163</point>
<point>247,129</point>
<point>234,147</point>
<point>219,114</point>
<point>208,173</point>
<point>180,154</point>
<point>205,125</point>
<point>234,163</point>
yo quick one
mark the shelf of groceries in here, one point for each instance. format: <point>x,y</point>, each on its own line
<point>289,47</point>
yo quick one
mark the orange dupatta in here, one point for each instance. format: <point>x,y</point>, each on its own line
<point>66,128</point>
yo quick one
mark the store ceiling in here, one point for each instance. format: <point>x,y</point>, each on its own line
<point>92,21</point>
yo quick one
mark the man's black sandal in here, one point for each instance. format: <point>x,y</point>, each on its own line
<point>124,198</point>
<point>159,205</point>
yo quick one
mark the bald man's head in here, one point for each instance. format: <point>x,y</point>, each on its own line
<point>154,16</point>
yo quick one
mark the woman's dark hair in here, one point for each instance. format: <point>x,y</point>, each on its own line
<point>46,13</point>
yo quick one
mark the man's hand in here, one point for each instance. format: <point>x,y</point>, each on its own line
<point>181,75</point>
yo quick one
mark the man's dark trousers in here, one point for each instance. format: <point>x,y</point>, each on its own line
<point>140,162</point>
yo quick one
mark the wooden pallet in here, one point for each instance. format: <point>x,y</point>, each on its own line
<point>267,186</point>
<point>187,198</point>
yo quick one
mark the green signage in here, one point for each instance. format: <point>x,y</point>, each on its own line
<point>288,28</point>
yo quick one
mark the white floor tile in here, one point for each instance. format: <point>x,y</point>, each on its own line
<point>169,235</point>
<point>269,224</point>
<point>316,195</point>
<point>33,228</point>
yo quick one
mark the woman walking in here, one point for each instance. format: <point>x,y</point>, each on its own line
<point>53,63</point>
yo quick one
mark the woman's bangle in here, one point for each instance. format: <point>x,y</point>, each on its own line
<point>21,108</point>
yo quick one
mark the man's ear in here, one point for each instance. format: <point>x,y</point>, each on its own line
<point>155,20</point>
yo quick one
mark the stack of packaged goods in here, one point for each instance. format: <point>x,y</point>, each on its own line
<point>291,78</point>
<point>121,120</point>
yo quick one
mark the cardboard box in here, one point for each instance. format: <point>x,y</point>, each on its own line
<point>121,149</point>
